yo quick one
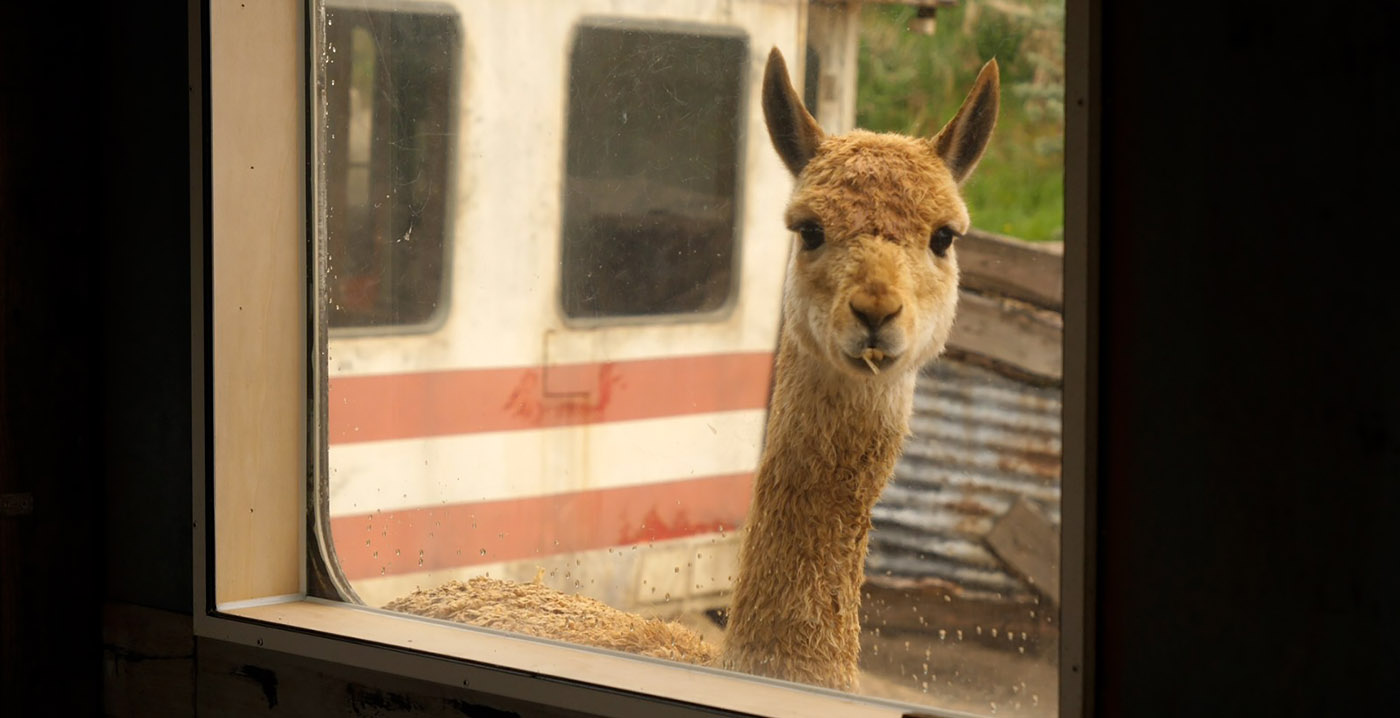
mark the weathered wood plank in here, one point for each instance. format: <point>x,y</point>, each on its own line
<point>1029,271</point>
<point>239,681</point>
<point>148,662</point>
<point>1011,333</point>
<point>1030,545</point>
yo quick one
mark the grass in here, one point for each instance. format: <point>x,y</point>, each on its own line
<point>913,83</point>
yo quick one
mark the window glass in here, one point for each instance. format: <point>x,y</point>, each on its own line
<point>388,89</point>
<point>651,170</point>
<point>587,181</point>
<point>962,577</point>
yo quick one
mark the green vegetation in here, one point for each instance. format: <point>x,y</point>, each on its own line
<point>913,83</point>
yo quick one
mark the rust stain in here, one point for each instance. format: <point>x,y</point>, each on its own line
<point>971,508</point>
<point>525,400</point>
<point>529,401</point>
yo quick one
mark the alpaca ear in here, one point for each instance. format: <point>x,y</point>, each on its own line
<point>794,132</point>
<point>961,142</point>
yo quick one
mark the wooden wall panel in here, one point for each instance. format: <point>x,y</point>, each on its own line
<point>259,314</point>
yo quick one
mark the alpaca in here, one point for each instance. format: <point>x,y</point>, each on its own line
<point>869,298</point>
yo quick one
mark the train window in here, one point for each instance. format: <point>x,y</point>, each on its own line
<point>963,594</point>
<point>651,170</point>
<point>389,84</point>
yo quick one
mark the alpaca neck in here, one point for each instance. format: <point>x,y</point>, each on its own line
<point>831,445</point>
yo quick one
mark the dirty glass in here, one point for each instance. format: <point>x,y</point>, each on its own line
<point>963,570</point>
<point>589,249</point>
<point>385,184</point>
<point>650,170</point>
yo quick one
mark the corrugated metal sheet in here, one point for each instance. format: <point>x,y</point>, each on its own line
<point>980,442</point>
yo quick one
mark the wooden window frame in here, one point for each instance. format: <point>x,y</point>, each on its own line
<point>249,292</point>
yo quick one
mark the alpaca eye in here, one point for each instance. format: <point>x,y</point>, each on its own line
<point>941,239</point>
<point>812,236</point>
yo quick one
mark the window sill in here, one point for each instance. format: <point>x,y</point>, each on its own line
<point>579,678</point>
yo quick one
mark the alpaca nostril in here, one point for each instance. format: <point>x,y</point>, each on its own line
<point>873,318</point>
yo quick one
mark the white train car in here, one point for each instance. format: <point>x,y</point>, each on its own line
<point>553,251</point>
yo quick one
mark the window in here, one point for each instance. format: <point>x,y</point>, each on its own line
<point>989,447</point>
<point>651,191</point>
<point>962,582</point>
<point>389,84</point>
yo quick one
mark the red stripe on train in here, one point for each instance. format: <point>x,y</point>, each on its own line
<point>404,406</point>
<point>459,535</point>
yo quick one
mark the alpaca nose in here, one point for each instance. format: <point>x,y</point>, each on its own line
<point>875,314</point>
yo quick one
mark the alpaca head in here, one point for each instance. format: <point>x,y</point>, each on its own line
<point>872,283</point>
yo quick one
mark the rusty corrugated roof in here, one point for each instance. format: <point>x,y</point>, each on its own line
<point>980,441</point>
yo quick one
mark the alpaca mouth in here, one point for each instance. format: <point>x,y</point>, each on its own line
<point>872,360</point>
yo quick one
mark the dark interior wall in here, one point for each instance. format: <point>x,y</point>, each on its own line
<point>1250,441</point>
<point>144,286</point>
<point>95,321</point>
<point>51,553</point>
<point>1250,401</point>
